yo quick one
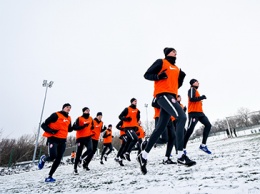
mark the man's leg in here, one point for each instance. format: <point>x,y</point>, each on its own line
<point>60,150</point>
<point>90,156</point>
<point>89,146</point>
<point>78,155</point>
<point>205,121</point>
<point>191,125</point>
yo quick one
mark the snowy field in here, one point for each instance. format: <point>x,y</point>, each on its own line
<point>233,168</point>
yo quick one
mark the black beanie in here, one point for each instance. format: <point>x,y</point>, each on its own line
<point>192,81</point>
<point>99,114</point>
<point>109,125</point>
<point>132,100</point>
<point>64,105</point>
<point>167,50</point>
<point>85,108</point>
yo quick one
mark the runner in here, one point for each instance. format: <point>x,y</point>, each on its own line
<point>123,137</point>
<point>83,127</point>
<point>167,79</point>
<point>98,128</point>
<point>107,143</point>
<point>196,114</point>
<point>56,128</point>
<point>130,117</point>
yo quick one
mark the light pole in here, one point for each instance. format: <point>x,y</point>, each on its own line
<point>229,130</point>
<point>47,85</point>
<point>146,106</point>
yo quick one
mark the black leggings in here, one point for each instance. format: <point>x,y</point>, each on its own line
<point>168,136</point>
<point>139,146</point>
<point>132,138</point>
<point>163,137</point>
<point>105,147</point>
<point>171,138</point>
<point>191,125</point>
<point>122,148</point>
<point>90,155</point>
<point>169,107</point>
<point>55,152</point>
<point>80,145</point>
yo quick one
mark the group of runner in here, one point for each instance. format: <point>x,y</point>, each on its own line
<point>88,130</point>
<point>170,120</point>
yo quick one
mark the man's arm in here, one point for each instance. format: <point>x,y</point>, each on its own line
<point>152,73</point>
<point>181,78</point>
<point>123,114</point>
<point>51,119</point>
<point>192,97</point>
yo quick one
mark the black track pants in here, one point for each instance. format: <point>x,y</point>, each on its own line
<point>169,107</point>
<point>191,125</point>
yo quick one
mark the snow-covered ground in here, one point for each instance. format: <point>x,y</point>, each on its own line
<point>233,168</point>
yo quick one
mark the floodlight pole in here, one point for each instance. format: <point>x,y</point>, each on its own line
<point>47,85</point>
<point>229,130</point>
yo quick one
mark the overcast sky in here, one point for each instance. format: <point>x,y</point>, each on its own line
<point>96,52</point>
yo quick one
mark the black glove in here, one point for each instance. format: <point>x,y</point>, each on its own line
<point>49,130</point>
<point>105,127</point>
<point>162,75</point>
<point>112,136</point>
<point>203,97</point>
<point>184,108</point>
<point>128,119</point>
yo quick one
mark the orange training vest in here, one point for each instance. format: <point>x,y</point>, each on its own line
<point>73,154</point>
<point>109,138</point>
<point>97,129</point>
<point>169,85</point>
<point>173,118</point>
<point>133,114</point>
<point>141,131</point>
<point>86,131</point>
<point>195,106</point>
<point>62,125</point>
<point>156,113</point>
<point>122,132</point>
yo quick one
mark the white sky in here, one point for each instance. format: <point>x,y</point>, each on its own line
<point>96,52</point>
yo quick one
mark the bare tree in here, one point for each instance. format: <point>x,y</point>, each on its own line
<point>71,141</point>
<point>214,130</point>
<point>219,125</point>
<point>149,130</point>
<point>6,149</point>
<point>116,142</point>
<point>243,116</point>
<point>255,118</point>
<point>198,132</point>
<point>23,148</point>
